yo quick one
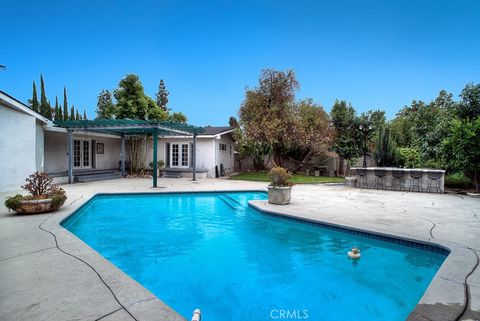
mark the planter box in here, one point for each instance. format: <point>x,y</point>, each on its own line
<point>37,206</point>
<point>279,195</point>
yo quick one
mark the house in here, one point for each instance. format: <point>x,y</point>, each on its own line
<point>21,142</point>
<point>39,144</point>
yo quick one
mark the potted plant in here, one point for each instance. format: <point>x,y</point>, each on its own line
<point>160,165</point>
<point>279,191</point>
<point>44,196</point>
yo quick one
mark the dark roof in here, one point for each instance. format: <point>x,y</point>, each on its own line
<point>211,130</point>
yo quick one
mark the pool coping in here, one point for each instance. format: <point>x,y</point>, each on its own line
<point>144,305</point>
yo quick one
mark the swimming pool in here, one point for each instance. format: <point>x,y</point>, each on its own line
<point>214,252</point>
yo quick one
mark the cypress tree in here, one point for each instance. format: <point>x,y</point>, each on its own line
<point>60,113</point>
<point>34,101</point>
<point>65,104</point>
<point>45,108</point>
<point>84,114</point>
<point>50,111</point>
<point>77,116</point>
<point>72,113</point>
<point>57,110</point>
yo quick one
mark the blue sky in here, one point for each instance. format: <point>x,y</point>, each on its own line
<point>375,54</point>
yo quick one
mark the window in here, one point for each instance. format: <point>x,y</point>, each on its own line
<point>184,154</point>
<point>76,153</point>
<point>223,147</point>
<point>175,155</point>
<point>230,150</point>
<point>86,153</point>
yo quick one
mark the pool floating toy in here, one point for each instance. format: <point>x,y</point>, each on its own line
<point>354,253</point>
<point>197,315</point>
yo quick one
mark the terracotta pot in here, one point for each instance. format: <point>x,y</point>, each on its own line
<point>279,195</point>
<point>37,206</point>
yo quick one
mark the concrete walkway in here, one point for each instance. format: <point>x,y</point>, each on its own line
<point>46,273</point>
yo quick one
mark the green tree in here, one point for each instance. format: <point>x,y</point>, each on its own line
<point>77,116</point>
<point>60,112</point>
<point>155,112</point>
<point>312,132</point>
<point>385,150</point>
<point>72,113</point>
<point>84,114</point>
<point>266,112</point>
<point>45,108</point>
<point>57,110</point>
<point>105,106</point>
<point>463,147</point>
<point>131,100</point>
<point>232,122</point>
<point>347,140</point>
<point>162,96</point>
<point>65,104</point>
<point>469,108</point>
<point>178,117</point>
<point>424,126</point>
<point>33,103</point>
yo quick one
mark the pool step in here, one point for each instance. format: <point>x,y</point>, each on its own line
<point>232,202</point>
<point>171,174</point>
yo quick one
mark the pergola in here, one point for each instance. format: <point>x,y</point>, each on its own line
<point>127,127</point>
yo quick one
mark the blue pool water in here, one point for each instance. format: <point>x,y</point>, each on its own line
<point>214,252</point>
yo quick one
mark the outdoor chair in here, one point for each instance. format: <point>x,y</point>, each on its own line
<point>434,181</point>
<point>380,178</point>
<point>362,181</point>
<point>416,181</point>
<point>398,180</point>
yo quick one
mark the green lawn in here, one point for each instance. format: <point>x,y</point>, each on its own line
<point>297,178</point>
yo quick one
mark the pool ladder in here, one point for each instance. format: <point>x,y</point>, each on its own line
<point>197,315</point>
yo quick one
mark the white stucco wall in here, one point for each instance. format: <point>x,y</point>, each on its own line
<point>21,147</point>
<point>56,151</point>
<point>225,157</point>
<point>205,152</point>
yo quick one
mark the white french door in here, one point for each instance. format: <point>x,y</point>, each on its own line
<point>81,153</point>
<point>179,155</point>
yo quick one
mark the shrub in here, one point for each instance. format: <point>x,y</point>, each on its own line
<point>408,157</point>
<point>458,180</point>
<point>13,202</point>
<point>58,199</point>
<point>431,163</point>
<point>160,164</point>
<point>280,177</point>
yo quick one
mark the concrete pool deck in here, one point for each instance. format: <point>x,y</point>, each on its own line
<point>47,273</point>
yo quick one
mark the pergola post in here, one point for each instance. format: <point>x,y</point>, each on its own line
<point>122,156</point>
<point>70,155</point>
<point>194,155</point>
<point>155,169</point>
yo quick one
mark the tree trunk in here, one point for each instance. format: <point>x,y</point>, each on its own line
<point>303,162</point>
<point>476,179</point>
<point>277,156</point>
<point>137,154</point>
<point>341,162</point>
<point>347,171</point>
